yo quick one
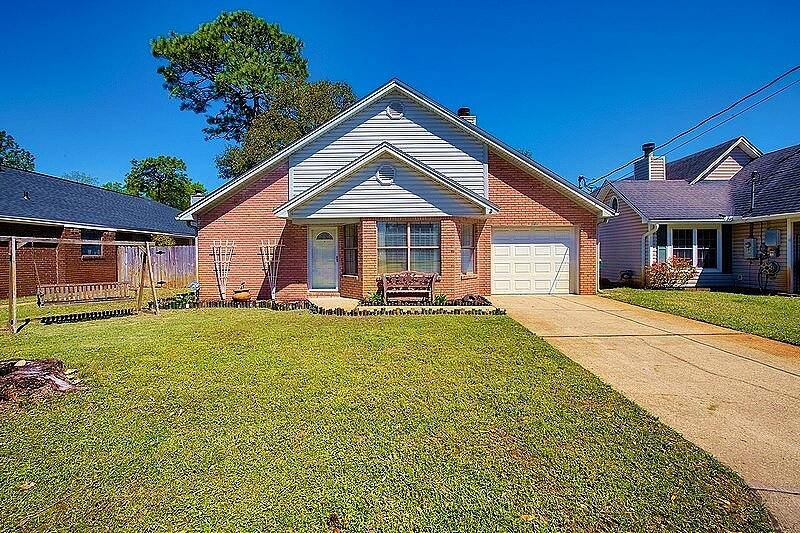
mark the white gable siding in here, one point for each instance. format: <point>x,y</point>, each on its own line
<point>729,166</point>
<point>419,133</point>
<point>411,194</point>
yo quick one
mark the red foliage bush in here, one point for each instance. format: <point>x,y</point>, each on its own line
<point>675,272</point>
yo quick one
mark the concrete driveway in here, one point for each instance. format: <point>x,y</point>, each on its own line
<point>735,395</point>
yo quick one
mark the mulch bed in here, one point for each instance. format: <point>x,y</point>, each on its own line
<point>466,301</point>
<point>21,379</point>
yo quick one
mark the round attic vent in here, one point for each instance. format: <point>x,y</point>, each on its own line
<point>385,174</point>
<point>395,109</point>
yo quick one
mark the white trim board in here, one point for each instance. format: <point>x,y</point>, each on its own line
<point>396,85</point>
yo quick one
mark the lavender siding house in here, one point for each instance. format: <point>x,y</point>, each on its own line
<point>718,207</point>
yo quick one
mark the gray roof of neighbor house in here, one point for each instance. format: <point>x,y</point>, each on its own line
<point>689,167</point>
<point>676,198</point>
<point>38,198</point>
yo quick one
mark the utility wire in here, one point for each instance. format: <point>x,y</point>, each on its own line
<point>715,126</point>
<point>709,118</point>
<point>728,119</point>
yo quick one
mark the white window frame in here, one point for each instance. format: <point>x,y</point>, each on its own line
<point>408,246</point>
<point>694,229</point>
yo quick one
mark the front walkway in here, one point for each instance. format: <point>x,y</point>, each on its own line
<point>733,394</point>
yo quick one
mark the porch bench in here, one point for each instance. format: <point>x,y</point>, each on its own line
<point>81,293</point>
<point>408,284</point>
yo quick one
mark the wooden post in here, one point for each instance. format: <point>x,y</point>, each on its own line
<point>12,285</point>
<point>140,292</point>
<point>150,272</point>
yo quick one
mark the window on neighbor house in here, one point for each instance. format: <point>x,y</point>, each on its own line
<point>403,246</point>
<point>707,248</point>
<point>351,250</point>
<point>93,250</point>
<point>682,245</point>
<point>467,248</point>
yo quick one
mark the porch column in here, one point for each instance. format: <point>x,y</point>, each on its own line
<point>368,255</point>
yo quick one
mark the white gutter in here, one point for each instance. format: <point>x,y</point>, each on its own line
<point>653,228</point>
<point>45,222</point>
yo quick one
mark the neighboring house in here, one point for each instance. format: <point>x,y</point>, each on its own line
<point>398,182</point>
<point>38,205</point>
<point>707,207</point>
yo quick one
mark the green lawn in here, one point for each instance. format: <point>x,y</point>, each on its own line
<point>775,317</point>
<point>253,420</point>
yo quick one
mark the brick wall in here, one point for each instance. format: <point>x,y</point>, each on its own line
<point>527,201</point>
<point>246,218</point>
<point>60,263</point>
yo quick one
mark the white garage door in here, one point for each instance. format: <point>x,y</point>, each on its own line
<point>532,260</point>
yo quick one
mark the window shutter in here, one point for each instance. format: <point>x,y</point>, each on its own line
<point>727,249</point>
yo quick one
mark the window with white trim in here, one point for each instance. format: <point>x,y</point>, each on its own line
<point>706,248</point>
<point>467,248</point>
<point>614,204</point>
<point>682,245</point>
<point>395,109</point>
<point>701,246</point>
<point>351,250</point>
<point>409,246</point>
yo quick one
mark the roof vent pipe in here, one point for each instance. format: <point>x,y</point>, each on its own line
<point>754,178</point>
<point>466,114</point>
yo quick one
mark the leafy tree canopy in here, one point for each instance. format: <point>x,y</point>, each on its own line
<point>13,155</point>
<point>114,186</point>
<point>163,179</point>
<point>80,177</point>
<point>229,69</point>
<point>244,73</point>
<point>296,111</point>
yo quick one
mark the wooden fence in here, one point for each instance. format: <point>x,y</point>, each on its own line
<point>173,266</point>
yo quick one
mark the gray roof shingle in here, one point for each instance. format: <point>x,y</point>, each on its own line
<point>777,192</point>
<point>677,200</point>
<point>60,200</point>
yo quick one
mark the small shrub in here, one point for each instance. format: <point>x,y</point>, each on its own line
<point>675,272</point>
<point>440,299</point>
<point>374,298</point>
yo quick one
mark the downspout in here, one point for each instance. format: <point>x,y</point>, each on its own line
<point>652,229</point>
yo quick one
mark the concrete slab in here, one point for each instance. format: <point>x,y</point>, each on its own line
<point>735,395</point>
<point>335,302</point>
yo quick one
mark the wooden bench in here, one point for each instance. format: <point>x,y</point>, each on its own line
<point>82,293</point>
<point>407,285</point>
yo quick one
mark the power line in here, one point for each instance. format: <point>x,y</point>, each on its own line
<point>728,119</point>
<point>709,118</point>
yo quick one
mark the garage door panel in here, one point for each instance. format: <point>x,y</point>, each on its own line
<point>532,260</point>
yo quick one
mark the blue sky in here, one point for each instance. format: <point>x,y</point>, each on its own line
<point>579,85</point>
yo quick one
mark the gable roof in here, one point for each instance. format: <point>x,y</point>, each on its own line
<point>36,198</point>
<point>694,167</point>
<point>777,191</point>
<point>502,149</point>
<point>381,150</point>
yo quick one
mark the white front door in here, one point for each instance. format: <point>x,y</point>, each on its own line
<point>323,268</point>
<point>535,260</point>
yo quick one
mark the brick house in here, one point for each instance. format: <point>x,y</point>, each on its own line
<point>397,182</point>
<point>37,205</point>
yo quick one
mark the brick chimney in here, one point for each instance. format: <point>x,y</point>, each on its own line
<point>650,167</point>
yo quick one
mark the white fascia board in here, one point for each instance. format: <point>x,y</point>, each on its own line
<point>382,149</point>
<point>395,84</point>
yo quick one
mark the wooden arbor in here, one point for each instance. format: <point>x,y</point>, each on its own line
<point>15,243</point>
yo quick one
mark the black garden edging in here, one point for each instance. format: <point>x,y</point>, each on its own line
<point>84,317</point>
<point>302,305</point>
<point>317,310</point>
